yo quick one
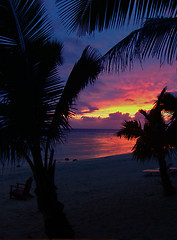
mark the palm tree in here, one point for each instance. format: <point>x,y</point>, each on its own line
<point>152,140</point>
<point>35,106</point>
<point>86,16</point>
<point>156,37</point>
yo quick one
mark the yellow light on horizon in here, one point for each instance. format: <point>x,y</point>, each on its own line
<point>104,112</point>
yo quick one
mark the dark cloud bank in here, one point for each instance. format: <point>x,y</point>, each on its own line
<point>113,121</point>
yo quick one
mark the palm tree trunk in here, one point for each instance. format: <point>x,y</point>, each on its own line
<point>167,186</point>
<point>56,223</point>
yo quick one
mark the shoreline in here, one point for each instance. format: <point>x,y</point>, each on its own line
<point>25,165</point>
<point>105,197</point>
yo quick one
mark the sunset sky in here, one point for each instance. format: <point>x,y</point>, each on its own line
<point>114,97</point>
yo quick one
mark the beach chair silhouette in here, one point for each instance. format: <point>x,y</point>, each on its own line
<point>20,190</point>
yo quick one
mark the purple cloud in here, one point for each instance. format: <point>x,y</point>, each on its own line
<point>114,121</point>
<point>84,107</point>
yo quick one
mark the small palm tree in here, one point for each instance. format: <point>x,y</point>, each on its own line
<point>35,105</point>
<point>152,141</point>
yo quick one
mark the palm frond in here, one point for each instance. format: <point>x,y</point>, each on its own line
<point>86,16</point>
<point>84,72</point>
<point>30,95</point>
<point>142,150</point>
<point>160,99</point>
<point>144,113</point>
<point>153,142</point>
<point>131,129</point>
<point>169,102</point>
<point>7,42</point>
<point>123,55</point>
<point>157,38</point>
<point>24,20</point>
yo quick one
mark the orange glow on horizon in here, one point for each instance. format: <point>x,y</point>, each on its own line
<point>105,111</point>
<point>117,98</point>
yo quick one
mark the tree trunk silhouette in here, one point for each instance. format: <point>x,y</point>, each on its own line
<point>167,185</point>
<point>56,223</point>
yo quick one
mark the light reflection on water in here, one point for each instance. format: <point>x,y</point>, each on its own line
<point>90,143</point>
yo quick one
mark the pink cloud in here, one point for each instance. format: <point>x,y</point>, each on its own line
<point>135,87</point>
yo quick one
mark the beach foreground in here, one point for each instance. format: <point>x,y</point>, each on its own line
<point>104,198</point>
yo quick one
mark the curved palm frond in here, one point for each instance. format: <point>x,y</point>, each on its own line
<point>123,54</point>
<point>86,16</point>
<point>157,38</point>
<point>84,72</point>
<point>131,129</point>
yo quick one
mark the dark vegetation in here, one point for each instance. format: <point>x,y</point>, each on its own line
<point>35,105</point>
<point>157,137</point>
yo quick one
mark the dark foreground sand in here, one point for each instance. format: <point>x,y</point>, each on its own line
<point>104,198</point>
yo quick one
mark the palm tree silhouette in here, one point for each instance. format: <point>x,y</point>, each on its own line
<point>35,105</point>
<point>156,37</point>
<point>86,16</point>
<point>169,105</point>
<point>152,140</point>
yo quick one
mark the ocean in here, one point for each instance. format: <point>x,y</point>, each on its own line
<point>84,144</point>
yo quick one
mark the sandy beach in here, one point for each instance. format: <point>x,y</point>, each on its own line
<point>107,197</point>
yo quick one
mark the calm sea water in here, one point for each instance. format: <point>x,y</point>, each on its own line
<point>83,144</point>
